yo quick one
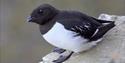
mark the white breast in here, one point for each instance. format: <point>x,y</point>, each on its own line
<point>62,38</point>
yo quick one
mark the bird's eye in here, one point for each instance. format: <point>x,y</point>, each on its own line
<point>40,11</point>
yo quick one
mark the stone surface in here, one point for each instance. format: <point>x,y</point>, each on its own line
<point>110,50</point>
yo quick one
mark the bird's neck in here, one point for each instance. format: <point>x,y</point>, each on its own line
<point>45,28</point>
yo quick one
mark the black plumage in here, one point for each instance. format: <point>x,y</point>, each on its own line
<point>46,15</point>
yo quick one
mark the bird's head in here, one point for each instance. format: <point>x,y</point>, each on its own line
<point>42,14</point>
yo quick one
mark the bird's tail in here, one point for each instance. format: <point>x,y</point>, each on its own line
<point>101,30</point>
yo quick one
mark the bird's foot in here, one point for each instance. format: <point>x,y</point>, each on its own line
<point>58,50</point>
<point>63,57</point>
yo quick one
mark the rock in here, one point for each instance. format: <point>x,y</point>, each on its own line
<point>110,50</point>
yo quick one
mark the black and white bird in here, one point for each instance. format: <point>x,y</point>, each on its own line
<point>69,30</point>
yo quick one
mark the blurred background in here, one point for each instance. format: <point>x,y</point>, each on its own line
<point>21,42</point>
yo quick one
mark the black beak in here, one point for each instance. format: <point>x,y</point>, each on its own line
<point>29,19</point>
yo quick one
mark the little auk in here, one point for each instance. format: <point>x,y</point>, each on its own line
<point>69,30</point>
